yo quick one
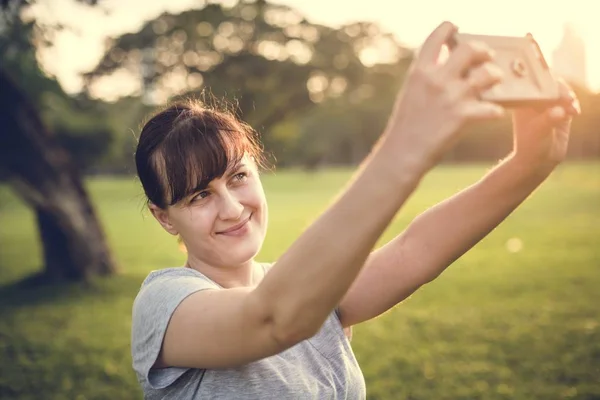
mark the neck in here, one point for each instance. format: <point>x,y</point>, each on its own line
<point>230,276</point>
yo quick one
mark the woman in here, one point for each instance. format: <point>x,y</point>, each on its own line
<point>227,327</point>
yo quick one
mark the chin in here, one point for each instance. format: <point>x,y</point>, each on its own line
<point>242,252</point>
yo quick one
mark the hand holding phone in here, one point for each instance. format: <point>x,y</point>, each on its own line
<point>527,80</point>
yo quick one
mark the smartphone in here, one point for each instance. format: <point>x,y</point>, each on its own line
<point>527,81</point>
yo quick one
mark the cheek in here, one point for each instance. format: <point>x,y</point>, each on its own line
<point>197,221</point>
<point>257,194</point>
<point>259,202</point>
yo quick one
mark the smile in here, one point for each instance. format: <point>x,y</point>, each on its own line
<point>236,229</point>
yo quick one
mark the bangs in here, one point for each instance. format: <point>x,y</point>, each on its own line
<point>198,151</point>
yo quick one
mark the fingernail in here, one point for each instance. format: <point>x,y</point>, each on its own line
<point>577,106</point>
<point>497,72</point>
<point>450,25</point>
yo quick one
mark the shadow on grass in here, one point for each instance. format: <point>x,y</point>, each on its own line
<point>37,289</point>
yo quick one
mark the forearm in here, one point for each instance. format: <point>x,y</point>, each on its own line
<point>446,231</point>
<point>309,280</point>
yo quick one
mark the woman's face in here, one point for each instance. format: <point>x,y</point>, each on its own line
<point>225,224</point>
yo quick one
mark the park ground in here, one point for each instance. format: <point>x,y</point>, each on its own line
<point>518,317</point>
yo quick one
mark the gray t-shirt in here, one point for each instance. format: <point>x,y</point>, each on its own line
<point>322,367</point>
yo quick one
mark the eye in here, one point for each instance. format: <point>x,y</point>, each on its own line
<point>202,195</point>
<point>240,177</point>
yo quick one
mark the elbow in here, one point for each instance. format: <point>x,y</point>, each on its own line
<point>287,335</point>
<point>286,326</point>
<point>292,325</point>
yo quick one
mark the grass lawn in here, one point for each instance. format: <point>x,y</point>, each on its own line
<point>518,317</point>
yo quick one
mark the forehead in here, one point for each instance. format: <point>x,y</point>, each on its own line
<point>188,165</point>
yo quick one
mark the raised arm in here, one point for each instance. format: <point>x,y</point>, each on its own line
<point>231,327</point>
<point>439,236</point>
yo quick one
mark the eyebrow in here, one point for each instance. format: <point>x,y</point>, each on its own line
<point>231,171</point>
<point>228,174</point>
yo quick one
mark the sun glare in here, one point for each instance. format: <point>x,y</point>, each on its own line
<point>75,53</point>
<point>411,24</point>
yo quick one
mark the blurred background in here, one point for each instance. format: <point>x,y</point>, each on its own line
<point>515,318</point>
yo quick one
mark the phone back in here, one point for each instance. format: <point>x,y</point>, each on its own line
<point>527,79</point>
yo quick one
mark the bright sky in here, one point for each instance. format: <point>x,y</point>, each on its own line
<point>79,50</point>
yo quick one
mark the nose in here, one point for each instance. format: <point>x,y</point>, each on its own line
<point>230,207</point>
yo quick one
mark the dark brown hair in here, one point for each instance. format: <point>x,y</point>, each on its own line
<point>186,145</point>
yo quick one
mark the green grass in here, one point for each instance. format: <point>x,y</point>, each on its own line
<point>496,325</point>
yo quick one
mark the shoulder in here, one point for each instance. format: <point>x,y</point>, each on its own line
<point>160,294</point>
<point>165,274</point>
<point>168,276</point>
<point>162,290</point>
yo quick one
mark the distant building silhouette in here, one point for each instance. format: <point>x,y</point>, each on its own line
<point>569,58</point>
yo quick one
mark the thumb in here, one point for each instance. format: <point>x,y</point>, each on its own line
<point>549,119</point>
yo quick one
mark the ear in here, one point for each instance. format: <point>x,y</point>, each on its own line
<point>162,216</point>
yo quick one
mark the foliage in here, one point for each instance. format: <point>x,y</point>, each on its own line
<point>516,318</point>
<point>266,59</point>
<point>18,54</point>
<point>312,91</point>
<point>315,93</point>
<point>77,122</point>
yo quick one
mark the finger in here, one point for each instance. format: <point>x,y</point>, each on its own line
<point>431,48</point>
<point>559,114</point>
<point>565,89</point>
<point>568,98</point>
<point>556,115</point>
<point>482,78</point>
<point>575,107</point>
<point>465,56</point>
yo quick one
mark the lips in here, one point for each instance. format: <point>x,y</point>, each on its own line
<point>236,227</point>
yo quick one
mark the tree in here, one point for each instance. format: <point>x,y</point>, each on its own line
<point>343,129</point>
<point>265,58</point>
<point>39,169</point>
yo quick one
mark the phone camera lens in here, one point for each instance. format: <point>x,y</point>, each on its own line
<point>518,67</point>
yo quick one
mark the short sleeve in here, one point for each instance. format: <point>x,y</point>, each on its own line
<point>152,310</point>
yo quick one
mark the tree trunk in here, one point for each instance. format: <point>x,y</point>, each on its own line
<point>43,174</point>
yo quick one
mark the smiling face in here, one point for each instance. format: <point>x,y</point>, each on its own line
<point>200,170</point>
<point>223,224</point>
